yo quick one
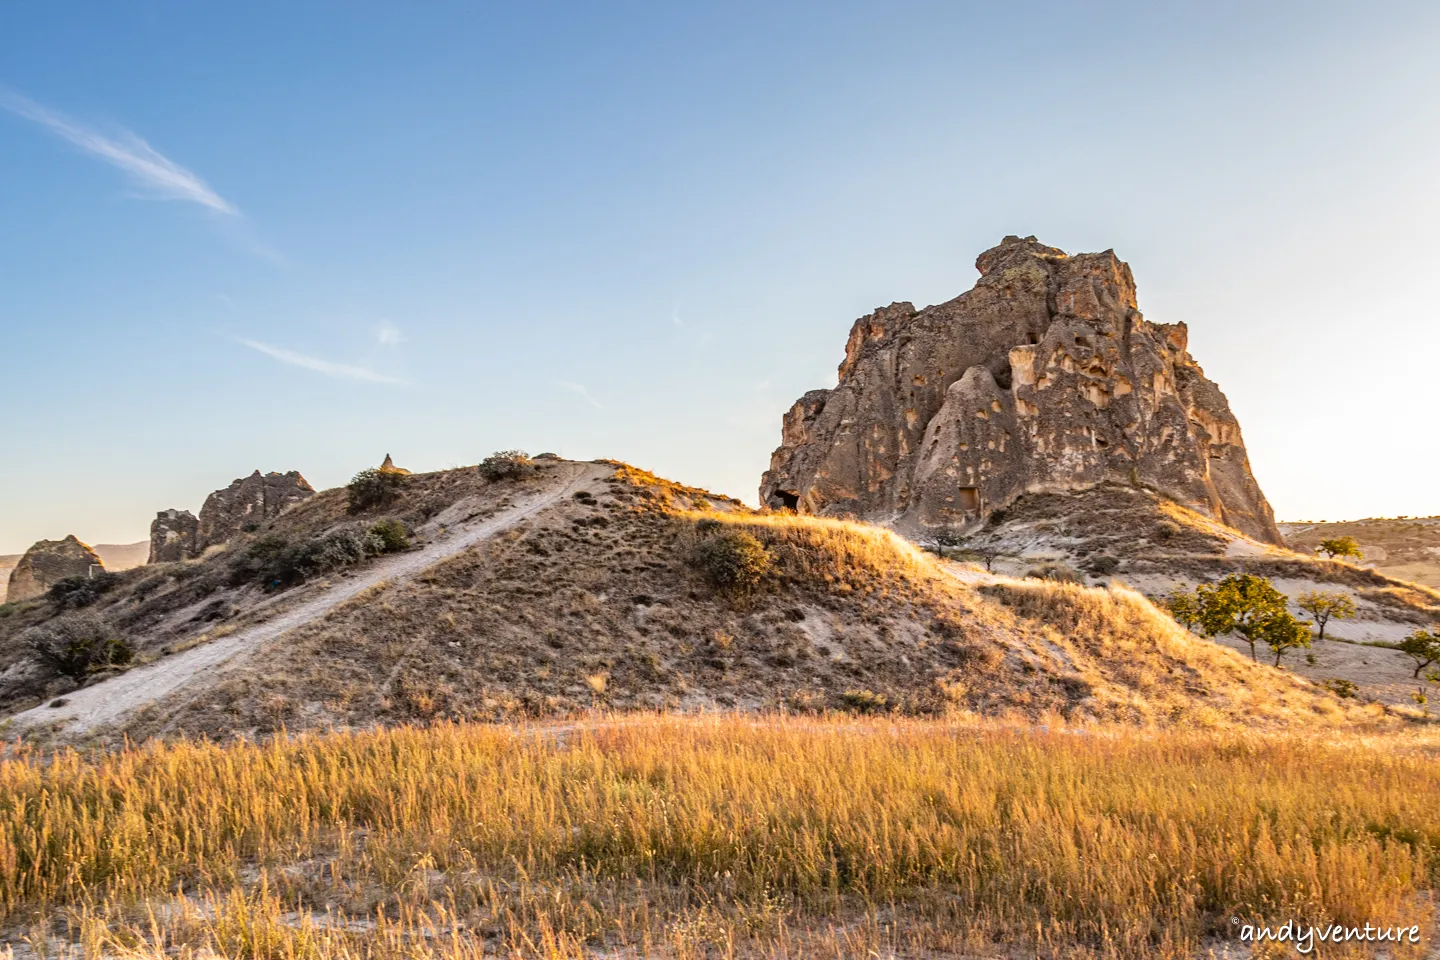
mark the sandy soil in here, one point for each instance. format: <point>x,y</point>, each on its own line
<point>107,701</point>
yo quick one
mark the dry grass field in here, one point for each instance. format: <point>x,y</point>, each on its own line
<point>721,836</point>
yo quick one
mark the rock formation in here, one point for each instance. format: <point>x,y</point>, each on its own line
<point>389,467</point>
<point>46,564</point>
<point>1044,377</point>
<point>238,508</point>
<point>247,503</point>
<point>174,535</point>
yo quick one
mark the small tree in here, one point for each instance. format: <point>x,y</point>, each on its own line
<point>947,536</point>
<point>1340,547</point>
<point>375,488</point>
<point>1245,604</point>
<point>1283,632</point>
<point>1422,646</point>
<point>506,465</point>
<point>1325,605</point>
<point>1184,607</point>
<point>75,645</point>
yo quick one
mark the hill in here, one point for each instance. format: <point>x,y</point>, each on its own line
<point>1406,548</point>
<point>1116,533</point>
<point>122,556</point>
<point>599,585</point>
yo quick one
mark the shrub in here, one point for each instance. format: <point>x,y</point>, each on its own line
<point>1058,572</point>
<point>1166,529</point>
<point>72,593</point>
<point>1103,565</point>
<point>865,701</point>
<point>374,488</point>
<point>734,561</point>
<point>73,646</point>
<point>1342,688</point>
<point>276,563</point>
<point>390,535</point>
<point>506,465</point>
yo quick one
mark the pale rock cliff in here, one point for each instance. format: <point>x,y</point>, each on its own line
<point>1044,377</point>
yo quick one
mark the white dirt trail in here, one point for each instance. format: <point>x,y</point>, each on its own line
<point>108,701</point>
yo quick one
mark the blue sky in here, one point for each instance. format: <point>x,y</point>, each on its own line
<point>300,236</point>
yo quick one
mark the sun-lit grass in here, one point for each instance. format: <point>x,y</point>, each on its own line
<point>839,553</point>
<point>761,836</point>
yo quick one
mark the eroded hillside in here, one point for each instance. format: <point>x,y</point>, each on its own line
<point>1115,533</point>
<point>596,600</point>
<point>1407,548</point>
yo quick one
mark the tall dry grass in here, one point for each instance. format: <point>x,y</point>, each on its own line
<point>742,836</point>
<point>839,554</point>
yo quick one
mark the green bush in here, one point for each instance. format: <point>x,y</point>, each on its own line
<point>391,535</point>
<point>276,563</point>
<point>734,561</point>
<point>506,465</point>
<point>74,646</point>
<point>1342,688</point>
<point>372,488</point>
<point>72,593</point>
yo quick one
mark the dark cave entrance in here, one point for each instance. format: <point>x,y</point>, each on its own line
<point>788,500</point>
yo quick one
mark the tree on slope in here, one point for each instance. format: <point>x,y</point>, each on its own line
<point>1326,605</point>
<point>1340,547</point>
<point>1422,646</point>
<point>1250,606</point>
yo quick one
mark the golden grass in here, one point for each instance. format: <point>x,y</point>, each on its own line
<point>755,836</point>
<point>1139,665</point>
<point>837,553</point>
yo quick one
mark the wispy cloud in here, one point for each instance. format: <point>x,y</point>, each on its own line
<point>343,371</point>
<point>579,390</point>
<point>162,177</point>
<point>387,334</point>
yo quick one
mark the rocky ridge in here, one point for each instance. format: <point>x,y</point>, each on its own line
<point>240,507</point>
<point>1044,377</point>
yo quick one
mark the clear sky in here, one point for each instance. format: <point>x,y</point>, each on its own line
<point>300,235</point>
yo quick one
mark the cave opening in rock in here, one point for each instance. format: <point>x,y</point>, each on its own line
<point>969,499</point>
<point>789,500</point>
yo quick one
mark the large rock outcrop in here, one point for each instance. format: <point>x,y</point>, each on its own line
<point>1044,377</point>
<point>46,564</point>
<point>247,503</point>
<point>174,536</point>
<point>238,508</point>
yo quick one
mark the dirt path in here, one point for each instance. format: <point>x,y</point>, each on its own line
<point>109,700</point>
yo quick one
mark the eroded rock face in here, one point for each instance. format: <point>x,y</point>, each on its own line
<point>247,503</point>
<point>1044,377</point>
<point>174,535</point>
<point>46,564</point>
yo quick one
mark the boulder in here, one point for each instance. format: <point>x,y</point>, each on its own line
<point>174,535</point>
<point>47,563</point>
<point>1044,377</point>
